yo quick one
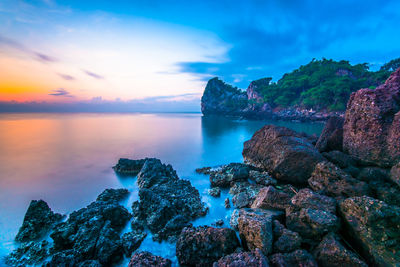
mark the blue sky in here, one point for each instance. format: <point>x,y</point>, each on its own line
<point>132,50</point>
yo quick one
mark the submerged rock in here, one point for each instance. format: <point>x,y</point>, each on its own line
<point>255,228</point>
<point>374,228</point>
<point>243,259</point>
<point>38,220</point>
<point>129,166</point>
<point>371,130</point>
<point>287,155</point>
<point>331,253</point>
<point>296,258</point>
<point>331,137</point>
<point>167,203</point>
<point>332,181</point>
<point>146,259</point>
<point>201,246</point>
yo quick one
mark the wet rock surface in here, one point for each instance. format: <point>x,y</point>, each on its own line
<point>374,227</point>
<point>243,259</point>
<point>146,259</point>
<point>202,246</point>
<point>289,156</point>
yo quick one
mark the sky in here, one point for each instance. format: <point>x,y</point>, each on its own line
<point>135,55</point>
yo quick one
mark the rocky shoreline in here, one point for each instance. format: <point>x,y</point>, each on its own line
<point>298,201</point>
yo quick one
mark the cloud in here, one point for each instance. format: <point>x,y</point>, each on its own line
<point>44,58</point>
<point>61,92</point>
<point>66,77</point>
<point>94,75</point>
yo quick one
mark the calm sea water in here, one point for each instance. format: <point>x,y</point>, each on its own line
<point>66,159</point>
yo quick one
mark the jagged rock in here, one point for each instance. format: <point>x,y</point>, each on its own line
<point>395,174</point>
<point>243,259</point>
<point>244,194</point>
<point>369,174</point>
<point>332,181</point>
<point>387,192</point>
<point>131,241</point>
<point>285,240</point>
<point>371,130</point>
<point>233,222</point>
<point>285,154</point>
<point>331,253</point>
<point>331,137</point>
<point>374,228</point>
<point>167,203</point>
<point>255,228</point>
<point>226,175</point>
<point>296,258</point>
<point>29,253</point>
<point>129,166</point>
<point>271,198</point>
<point>92,233</point>
<point>312,215</point>
<point>227,203</point>
<point>262,178</point>
<point>38,220</point>
<point>214,192</point>
<point>146,259</point>
<point>201,246</point>
<point>340,159</point>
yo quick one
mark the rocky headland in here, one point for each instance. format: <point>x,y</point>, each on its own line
<point>297,200</point>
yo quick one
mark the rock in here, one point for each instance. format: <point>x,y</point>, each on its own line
<point>229,174</point>
<point>262,178</point>
<point>331,137</point>
<point>227,203</point>
<point>243,259</point>
<point>271,198</point>
<point>166,203</point>
<point>371,130</point>
<point>255,228</point>
<point>285,154</point>
<point>131,241</point>
<point>38,220</point>
<point>233,222</point>
<point>395,174</point>
<point>218,223</point>
<point>204,170</point>
<point>93,233</point>
<point>285,240</point>
<point>214,192</point>
<point>220,98</point>
<point>202,246</point>
<point>128,166</point>
<point>340,159</point>
<point>146,259</point>
<point>332,181</point>
<point>331,253</point>
<point>296,258</point>
<point>244,194</point>
<point>29,253</point>
<point>387,192</point>
<point>374,228</point>
<point>312,215</point>
<point>369,174</point>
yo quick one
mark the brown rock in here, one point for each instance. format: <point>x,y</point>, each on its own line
<point>299,258</point>
<point>285,154</point>
<point>374,228</point>
<point>332,181</point>
<point>146,259</point>
<point>271,198</point>
<point>331,137</point>
<point>371,130</point>
<point>331,253</point>
<point>243,259</point>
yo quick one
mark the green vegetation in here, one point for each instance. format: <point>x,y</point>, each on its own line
<point>391,65</point>
<point>322,84</point>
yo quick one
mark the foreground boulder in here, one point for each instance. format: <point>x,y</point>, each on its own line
<point>312,215</point>
<point>271,198</point>
<point>371,129</point>
<point>331,253</point>
<point>332,181</point>
<point>243,259</point>
<point>146,259</point>
<point>202,246</point>
<point>331,137</point>
<point>255,228</point>
<point>296,258</point>
<point>374,228</point>
<point>287,155</point>
<point>38,220</point>
<point>167,203</point>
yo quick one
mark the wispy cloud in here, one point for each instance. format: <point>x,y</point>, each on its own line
<point>61,92</point>
<point>44,58</point>
<point>66,77</point>
<point>94,75</point>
